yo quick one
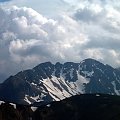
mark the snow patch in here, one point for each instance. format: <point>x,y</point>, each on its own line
<point>26,99</point>
<point>14,105</point>
<point>48,105</point>
<point>58,88</point>
<point>34,84</point>
<point>80,82</point>
<point>35,98</point>
<point>42,95</point>
<point>1,102</point>
<point>88,74</point>
<point>97,95</point>
<point>116,91</point>
<point>34,108</point>
<point>71,73</point>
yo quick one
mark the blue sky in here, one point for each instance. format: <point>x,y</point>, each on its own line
<point>4,0</point>
<point>56,30</point>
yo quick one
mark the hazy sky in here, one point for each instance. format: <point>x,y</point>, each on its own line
<point>35,31</point>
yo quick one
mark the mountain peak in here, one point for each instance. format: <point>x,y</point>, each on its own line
<point>90,61</point>
<point>43,64</point>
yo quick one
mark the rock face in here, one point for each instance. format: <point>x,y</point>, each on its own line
<point>48,82</point>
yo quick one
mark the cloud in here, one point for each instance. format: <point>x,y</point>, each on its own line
<point>28,38</point>
<point>103,27</point>
<point>100,21</point>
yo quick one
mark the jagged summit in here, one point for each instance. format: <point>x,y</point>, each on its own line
<point>53,82</point>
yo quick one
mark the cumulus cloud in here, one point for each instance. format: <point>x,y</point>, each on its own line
<point>102,25</point>
<point>27,38</point>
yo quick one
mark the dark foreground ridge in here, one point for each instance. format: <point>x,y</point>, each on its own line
<point>79,107</point>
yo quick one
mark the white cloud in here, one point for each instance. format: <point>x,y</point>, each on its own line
<point>27,38</point>
<point>100,21</point>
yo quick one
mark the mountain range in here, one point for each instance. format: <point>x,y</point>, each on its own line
<point>53,82</point>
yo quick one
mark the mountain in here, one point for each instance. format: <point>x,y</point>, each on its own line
<point>48,82</point>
